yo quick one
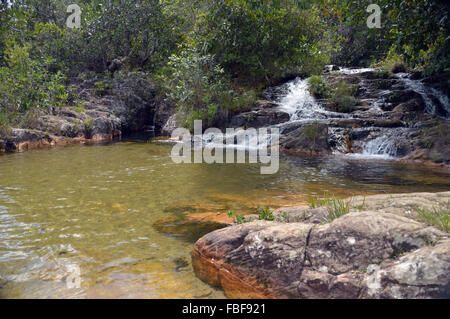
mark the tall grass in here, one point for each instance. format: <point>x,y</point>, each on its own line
<point>438,216</point>
<point>336,207</point>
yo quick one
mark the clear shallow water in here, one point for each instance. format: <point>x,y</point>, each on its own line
<point>96,207</point>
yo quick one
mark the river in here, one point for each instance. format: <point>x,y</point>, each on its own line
<point>94,210</point>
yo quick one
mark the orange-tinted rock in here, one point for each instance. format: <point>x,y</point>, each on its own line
<point>341,259</point>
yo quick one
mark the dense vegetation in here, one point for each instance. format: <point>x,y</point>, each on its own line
<point>210,58</point>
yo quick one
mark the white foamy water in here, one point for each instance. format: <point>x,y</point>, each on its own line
<point>301,105</point>
<point>427,95</point>
<point>354,71</point>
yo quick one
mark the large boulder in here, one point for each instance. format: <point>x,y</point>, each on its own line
<point>310,138</point>
<point>259,118</point>
<point>364,254</point>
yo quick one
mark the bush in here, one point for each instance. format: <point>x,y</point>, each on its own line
<point>392,62</point>
<point>342,97</point>
<point>399,68</point>
<point>26,85</point>
<point>5,129</point>
<point>262,42</point>
<point>319,86</point>
<point>198,87</point>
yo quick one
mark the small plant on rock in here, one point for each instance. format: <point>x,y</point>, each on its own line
<point>337,208</point>
<point>438,216</point>
<point>237,218</point>
<point>318,86</point>
<point>265,214</point>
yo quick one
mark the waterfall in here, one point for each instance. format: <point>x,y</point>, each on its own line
<point>382,146</point>
<point>301,105</point>
<point>295,99</point>
<point>436,103</point>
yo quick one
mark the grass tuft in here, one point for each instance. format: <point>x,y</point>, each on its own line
<point>438,216</point>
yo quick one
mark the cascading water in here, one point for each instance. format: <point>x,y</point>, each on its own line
<point>436,103</point>
<point>383,146</point>
<point>295,99</point>
<point>299,103</point>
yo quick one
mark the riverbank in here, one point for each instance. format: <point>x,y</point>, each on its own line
<point>382,248</point>
<point>377,114</point>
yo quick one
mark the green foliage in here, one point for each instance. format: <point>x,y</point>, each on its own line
<point>5,129</point>
<point>198,86</point>
<point>417,31</point>
<point>319,86</point>
<point>238,218</point>
<point>362,205</point>
<point>335,207</point>
<point>26,84</point>
<point>88,126</point>
<point>342,96</point>
<point>264,41</point>
<point>265,214</point>
<point>392,62</point>
<point>438,216</point>
<point>213,57</point>
<point>101,87</point>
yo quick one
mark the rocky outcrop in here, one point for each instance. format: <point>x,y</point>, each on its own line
<point>263,113</point>
<point>391,118</point>
<point>363,254</point>
<point>309,138</point>
<point>108,110</point>
<point>259,118</point>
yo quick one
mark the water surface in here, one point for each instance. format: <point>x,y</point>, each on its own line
<point>98,208</point>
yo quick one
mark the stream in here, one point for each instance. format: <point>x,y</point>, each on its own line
<point>107,210</point>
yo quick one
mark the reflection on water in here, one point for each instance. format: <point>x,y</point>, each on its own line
<point>98,208</point>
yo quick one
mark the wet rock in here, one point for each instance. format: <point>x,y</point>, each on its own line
<point>397,97</point>
<point>311,138</point>
<point>364,254</point>
<point>265,104</point>
<point>259,118</point>
<point>414,105</point>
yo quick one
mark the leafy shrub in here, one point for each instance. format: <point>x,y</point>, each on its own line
<point>392,62</point>
<point>342,97</point>
<point>264,41</point>
<point>238,218</point>
<point>319,86</point>
<point>5,129</point>
<point>197,85</point>
<point>265,214</point>
<point>26,85</point>
<point>102,88</point>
